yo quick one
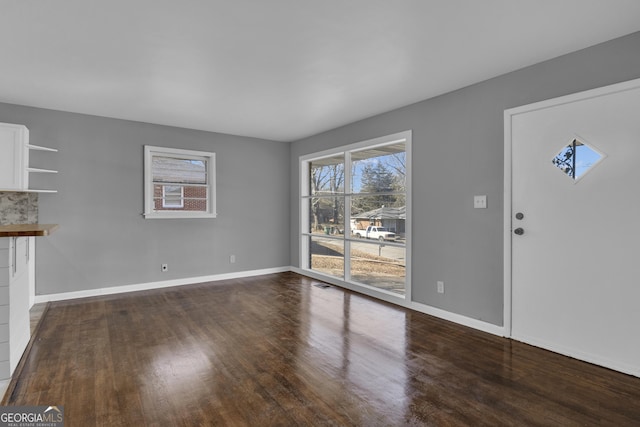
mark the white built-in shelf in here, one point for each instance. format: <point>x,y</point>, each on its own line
<point>16,165</point>
<point>38,170</point>
<point>37,147</point>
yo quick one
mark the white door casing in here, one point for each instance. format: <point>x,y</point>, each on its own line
<point>572,280</point>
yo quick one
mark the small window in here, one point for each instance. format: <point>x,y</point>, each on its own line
<point>179,183</point>
<point>576,159</point>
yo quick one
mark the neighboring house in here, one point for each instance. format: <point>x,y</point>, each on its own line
<point>181,198</point>
<point>391,218</point>
<point>179,184</point>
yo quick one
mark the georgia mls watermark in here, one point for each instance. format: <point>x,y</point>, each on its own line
<point>31,416</point>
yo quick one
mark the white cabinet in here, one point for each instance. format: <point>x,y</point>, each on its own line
<point>15,168</point>
<point>16,259</point>
<point>15,157</point>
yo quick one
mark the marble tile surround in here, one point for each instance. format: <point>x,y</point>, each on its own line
<point>18,208</point>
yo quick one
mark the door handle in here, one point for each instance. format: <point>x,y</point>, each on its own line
<point>519,231</point>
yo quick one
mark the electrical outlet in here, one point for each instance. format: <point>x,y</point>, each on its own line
<point>440,287</point>
<point>165,268</point>
<point>232,259</point>
<point>480,202</point>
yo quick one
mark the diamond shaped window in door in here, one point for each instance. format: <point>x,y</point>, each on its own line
<point>577,158</point>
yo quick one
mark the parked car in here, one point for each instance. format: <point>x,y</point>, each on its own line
<point>375,232</point>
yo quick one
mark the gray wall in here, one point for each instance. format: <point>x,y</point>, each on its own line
<point>458,153</point>
<point>104,241</point>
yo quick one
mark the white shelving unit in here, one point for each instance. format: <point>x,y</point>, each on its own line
<point>37,147</point>
<point>15,165</point>
<point>32,147</point>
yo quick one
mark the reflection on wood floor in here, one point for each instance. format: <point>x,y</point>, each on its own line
<point>276,350</point>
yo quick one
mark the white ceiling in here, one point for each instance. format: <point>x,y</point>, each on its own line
<point>278,69</point>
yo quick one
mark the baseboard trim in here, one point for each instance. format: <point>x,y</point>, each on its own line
<point>629,369</point>
<point>422,308</point>
<point>157,285</point>
<point>458,318</point>
<point>393,299</point>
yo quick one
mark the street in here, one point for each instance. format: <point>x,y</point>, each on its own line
<point>372,247</point>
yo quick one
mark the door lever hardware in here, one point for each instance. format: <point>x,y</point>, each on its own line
<point>519,231</point>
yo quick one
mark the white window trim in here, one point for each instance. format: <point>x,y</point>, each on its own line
<point>149,212</point>
<point>304,249</point>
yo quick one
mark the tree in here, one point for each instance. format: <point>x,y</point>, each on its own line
<point>326,181</point>
<point>376,178</point>
<point>398,162</point>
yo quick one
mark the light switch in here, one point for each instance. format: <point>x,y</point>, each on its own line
<point>479,202</point>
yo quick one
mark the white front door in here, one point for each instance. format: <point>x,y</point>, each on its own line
<point>575,251</point>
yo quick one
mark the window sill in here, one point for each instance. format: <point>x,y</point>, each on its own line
<point>178,215</point>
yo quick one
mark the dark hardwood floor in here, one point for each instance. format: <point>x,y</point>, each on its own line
<point>277,350</point>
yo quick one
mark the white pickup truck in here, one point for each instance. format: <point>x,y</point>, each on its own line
<point>375,232</point>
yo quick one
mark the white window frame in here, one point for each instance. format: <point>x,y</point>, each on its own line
<point>149,206</point>
<point>304,250</point>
